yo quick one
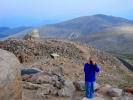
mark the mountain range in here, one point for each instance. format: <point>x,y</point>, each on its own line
<point>103,32</point>
<point>7,31</point>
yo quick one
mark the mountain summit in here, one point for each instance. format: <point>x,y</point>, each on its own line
<point>77,27</point>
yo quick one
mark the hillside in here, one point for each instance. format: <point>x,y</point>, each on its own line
<point>5,32</point>
<point>117,38</point>
<point>72,57</point>
<point>77,27</point>
<point>111,34</point>
<point>4,29</point>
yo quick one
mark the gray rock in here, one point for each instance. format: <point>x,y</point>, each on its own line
<point>114,92</point>
<point>10,77</point>
<point>65,92</point>
<point>55,77</point>
<point>31,86</point>
<point>40,95</point>
<point>96,86</point>
<point>127,94</point>
<point>44,90</point>
<point>80,85</point>
<point>53,90</point>
<point>59,72</point>
<point>120,98</point>
<point>69,85</point>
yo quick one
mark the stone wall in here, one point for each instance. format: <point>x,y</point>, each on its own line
<point>10,77</point>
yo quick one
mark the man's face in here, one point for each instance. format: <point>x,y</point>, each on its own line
<point>91,60</point>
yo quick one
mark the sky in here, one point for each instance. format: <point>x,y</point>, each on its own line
<point>14,13</point>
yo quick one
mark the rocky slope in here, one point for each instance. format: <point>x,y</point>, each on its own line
<point>108,33</point>
<point>72,57</point>
<point>62,78</point>
<point>116,39</point>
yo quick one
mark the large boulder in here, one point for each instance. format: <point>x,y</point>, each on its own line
<point>10,77</point>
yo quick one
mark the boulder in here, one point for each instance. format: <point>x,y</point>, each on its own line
<point>69,85</point>
<point>104,88</point>
<point>10,77</point>
<point>80,85</point>
<point>114,92</point>
<point>65,92</point>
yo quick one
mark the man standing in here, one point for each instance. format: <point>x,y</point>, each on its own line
<point>90,69</point>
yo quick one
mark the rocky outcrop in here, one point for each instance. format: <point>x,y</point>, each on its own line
<point>44,48</point>
<point>48,83</point>
<point>10,77</point>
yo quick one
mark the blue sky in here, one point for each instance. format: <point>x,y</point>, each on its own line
<point>38,12</point>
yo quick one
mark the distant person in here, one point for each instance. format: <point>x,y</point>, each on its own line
<point>90,69</point>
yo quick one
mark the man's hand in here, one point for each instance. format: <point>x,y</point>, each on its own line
<point>92,61</point>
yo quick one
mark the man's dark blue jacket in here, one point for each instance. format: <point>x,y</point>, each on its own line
<point>90,72</point>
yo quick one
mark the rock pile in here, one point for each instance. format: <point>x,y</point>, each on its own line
<point>48,83</point>
<point>52,83</point>
<point>44,47</point>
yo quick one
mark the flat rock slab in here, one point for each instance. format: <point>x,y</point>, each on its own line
<point>95,98</point>
<point>120,98</point>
